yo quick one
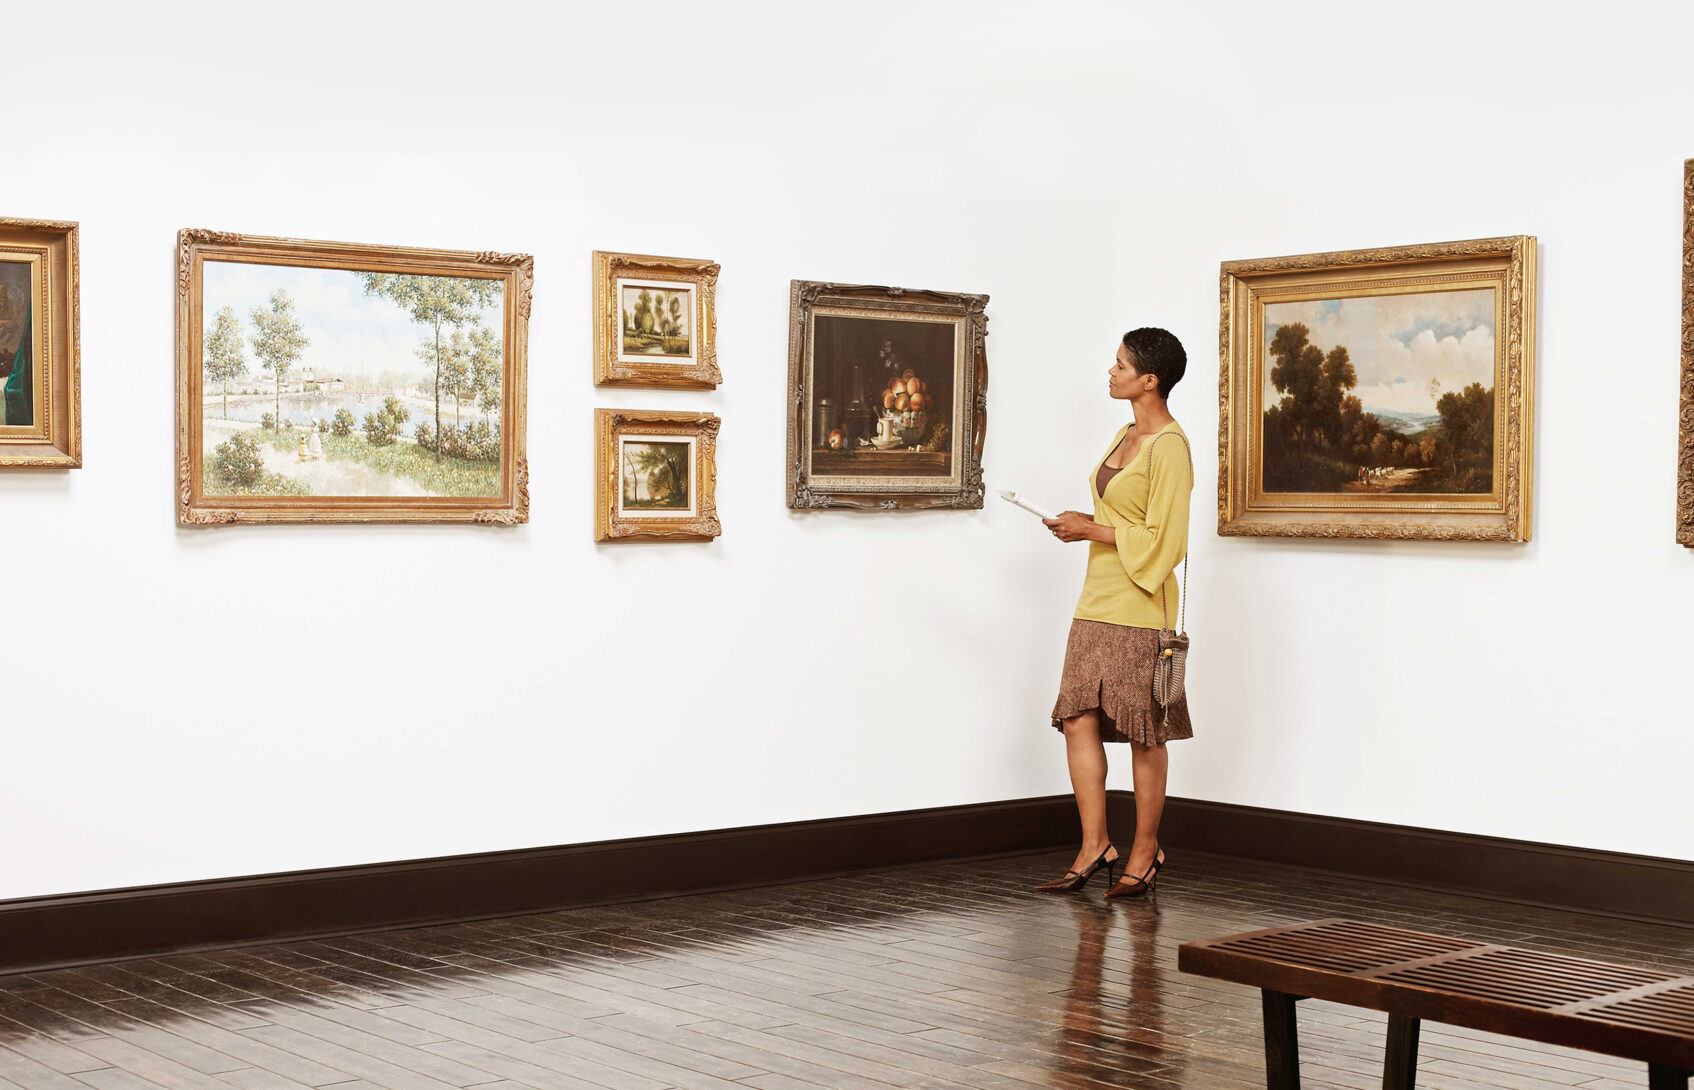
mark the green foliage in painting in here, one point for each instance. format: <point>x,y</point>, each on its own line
<point>437,303</point>
<point>1319,438</point>
<point>223,358</point>
<point>278,341</point>
<point>384,426</point>
<point>476,441</point>
<point>655,475</point>
<point>342,423</point>
<point>446,475</point>
<point>1467,416</point>
<point>239,460</point>
<point>237,468</point>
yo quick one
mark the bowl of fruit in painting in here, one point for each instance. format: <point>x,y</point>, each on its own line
<point>906,402</point>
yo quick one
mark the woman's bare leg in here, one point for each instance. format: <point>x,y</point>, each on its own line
<point>1086,755</point>
<point>1151,764</point>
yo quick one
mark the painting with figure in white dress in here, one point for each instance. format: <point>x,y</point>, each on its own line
<point>340,383</point>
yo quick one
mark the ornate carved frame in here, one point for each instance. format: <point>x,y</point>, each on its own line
<point>971,383</point>
<point>516,272</point>
<point>1685,441</point>
<point>703,373</point>
<point>609,426</point>
<point>54,441</point>
<point>1506,264</point>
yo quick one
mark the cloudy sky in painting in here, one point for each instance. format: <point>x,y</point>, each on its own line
<point>1399,344</point>
<point>350,333</point>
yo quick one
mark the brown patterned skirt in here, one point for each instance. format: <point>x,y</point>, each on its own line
<point>1109,668</point>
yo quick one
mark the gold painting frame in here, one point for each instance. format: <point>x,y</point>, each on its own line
<point>818,464</point>
<point>515,274</point>
<point>612,520</point>
<point>1505,264</point>
<point>612,365</point>
<point>52,437</point>
<point>1685,428</point>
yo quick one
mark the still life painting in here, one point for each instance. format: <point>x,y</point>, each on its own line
<point>655,476</point>
<point>1380,393</point>
<point>655,321</point>
<point>363,385</point>
<point>40,375</point>
<point>886,405</point>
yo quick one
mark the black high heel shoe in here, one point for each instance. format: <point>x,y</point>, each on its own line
<point>1075,880</point>
<point>1142,885</point>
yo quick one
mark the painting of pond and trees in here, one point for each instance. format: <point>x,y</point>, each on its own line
<point>337,382</point>
<point>1380,394</point>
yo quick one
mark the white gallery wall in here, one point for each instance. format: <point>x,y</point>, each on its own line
<point>178,705</point>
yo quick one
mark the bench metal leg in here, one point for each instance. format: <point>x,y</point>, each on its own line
<point>1400,1069</point>
<point>1282,1042</point>
<point>1660,1077</point>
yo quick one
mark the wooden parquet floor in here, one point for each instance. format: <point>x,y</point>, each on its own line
<point>944,976</point>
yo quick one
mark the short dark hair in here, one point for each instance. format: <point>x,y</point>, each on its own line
<point>1157,352</point>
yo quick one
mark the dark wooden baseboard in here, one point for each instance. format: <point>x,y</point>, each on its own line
<point>78,928</point>
<point>1635,887</point>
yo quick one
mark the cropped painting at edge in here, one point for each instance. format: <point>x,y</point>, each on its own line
<point>18,365</point>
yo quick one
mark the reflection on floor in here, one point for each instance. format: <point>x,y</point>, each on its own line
<point>943,976</point>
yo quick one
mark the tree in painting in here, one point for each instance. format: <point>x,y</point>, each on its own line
<point>439,303</point>
<point>224,359</point>
<point>279,341</point>
<point>482,354</point>
<point>655,475</point>
<point>1320,438</point>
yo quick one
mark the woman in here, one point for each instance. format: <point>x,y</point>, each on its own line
<point>1137,537</point>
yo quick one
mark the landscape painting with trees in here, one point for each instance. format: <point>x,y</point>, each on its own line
<point>658,319</point>
<point>654,476</point>
<point>338,382</point>
<point>1380,394</point>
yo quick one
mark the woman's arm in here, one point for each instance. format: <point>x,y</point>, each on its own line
<point>1076,526</point>
<point>1151,549</point>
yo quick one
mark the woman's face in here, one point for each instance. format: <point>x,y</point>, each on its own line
<point>1123,379</point>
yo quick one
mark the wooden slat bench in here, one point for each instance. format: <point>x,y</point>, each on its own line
<point>1638,1014</point>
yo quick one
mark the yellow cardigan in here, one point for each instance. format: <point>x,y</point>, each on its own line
<point>1146,502</point>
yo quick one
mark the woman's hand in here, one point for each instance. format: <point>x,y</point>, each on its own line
<point>1072,526</point>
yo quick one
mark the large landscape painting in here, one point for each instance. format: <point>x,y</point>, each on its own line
<point>335,382</point>
<point>1380,394</point>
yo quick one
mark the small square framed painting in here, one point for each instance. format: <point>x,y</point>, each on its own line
<point>655,321</point>
<point>655,476</point>
<point>887,402</point>
<point>1384,394</point>
<point>338,382</point>
<point>40,374</point>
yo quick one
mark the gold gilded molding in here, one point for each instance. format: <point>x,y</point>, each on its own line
<point>514,272</point>
<point>609,525</point>
<point>1685,430</point>
<point>701,275</point>
<point>54,439</point>
<point>1507,263</point>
